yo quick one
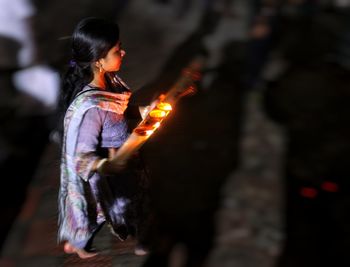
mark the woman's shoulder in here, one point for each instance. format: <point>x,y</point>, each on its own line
<point>96,93</point>
<point>94,98</point>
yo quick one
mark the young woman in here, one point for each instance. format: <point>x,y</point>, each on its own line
<point>92,190</point>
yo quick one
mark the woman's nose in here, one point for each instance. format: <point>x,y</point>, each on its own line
<point>122,53</point>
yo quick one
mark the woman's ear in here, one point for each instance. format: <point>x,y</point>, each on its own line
<point>98,64</point>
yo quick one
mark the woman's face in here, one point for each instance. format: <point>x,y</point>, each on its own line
<point>113,60</point>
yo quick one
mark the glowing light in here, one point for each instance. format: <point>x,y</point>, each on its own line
<point>157,113</point>
<point>156,125</point>
<point>144,131</point>
<point>153,119</point>
<point>330,187</point>
<point>149,132</point>
<point>308,192</point>
<point>164,106</point>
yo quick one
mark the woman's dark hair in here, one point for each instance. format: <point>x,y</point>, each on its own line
<point>91,40</point>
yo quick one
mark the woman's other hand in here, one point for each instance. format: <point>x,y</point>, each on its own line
<point>123,100</point>
<point>119,105</point>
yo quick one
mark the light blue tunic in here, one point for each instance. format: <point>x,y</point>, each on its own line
<point>93,123</point>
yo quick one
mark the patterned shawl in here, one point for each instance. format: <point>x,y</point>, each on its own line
<point>73,205</point>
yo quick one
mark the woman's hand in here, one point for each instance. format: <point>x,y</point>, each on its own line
<point>144,110</point>
<point>122,101</point>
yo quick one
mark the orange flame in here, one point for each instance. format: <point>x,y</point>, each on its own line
<point>156,116</point>
<point>164,106</point>
<point>157,113</point>
<point>149,132</point>
<point>156,125</point>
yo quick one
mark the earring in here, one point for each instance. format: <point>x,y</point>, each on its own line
<point>100,69</point>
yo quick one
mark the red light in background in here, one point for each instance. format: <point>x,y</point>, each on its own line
<point>330,187</point>
<point>308,192</point>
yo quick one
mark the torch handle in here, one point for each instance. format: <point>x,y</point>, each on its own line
<point>132,144</point>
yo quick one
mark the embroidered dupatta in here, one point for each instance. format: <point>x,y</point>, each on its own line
<point>74,208</point>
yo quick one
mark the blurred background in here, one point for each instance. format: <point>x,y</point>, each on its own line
<point>250,171</point>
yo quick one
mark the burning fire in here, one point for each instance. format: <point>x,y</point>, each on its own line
<point>154,119</point>
<point>157,114</point>
<point>184,86</point>
<point>164,106</point>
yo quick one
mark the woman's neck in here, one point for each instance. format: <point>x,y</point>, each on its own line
<point>99,80</point>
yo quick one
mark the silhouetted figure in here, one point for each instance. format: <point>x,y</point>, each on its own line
<point>310,101</point>
<point>187,195</point>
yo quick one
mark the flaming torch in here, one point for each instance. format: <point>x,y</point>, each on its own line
<point>184,86</point>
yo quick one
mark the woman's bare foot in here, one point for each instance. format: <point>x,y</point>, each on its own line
<point>140,250</point>
<point>82,253</point>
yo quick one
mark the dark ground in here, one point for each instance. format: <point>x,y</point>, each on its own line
<point>23,138</point>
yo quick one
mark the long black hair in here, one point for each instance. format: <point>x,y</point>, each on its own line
<point>91,40</point>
